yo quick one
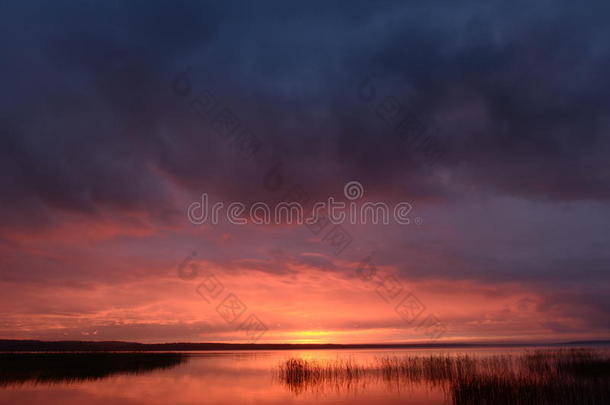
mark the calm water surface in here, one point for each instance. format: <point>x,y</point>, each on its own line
<point>237,378</point>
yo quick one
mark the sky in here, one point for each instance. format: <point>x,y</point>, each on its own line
<point>490,119</point>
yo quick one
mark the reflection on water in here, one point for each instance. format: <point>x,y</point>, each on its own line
<point>540,377</point>
<point>383,376</point>
<point>40,368</point>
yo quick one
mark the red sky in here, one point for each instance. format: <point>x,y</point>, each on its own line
<point>104,280</point>
<point>491,122</point>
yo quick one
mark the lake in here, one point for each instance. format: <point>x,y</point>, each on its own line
<point>239,377</point>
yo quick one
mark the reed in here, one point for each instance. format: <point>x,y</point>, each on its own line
<point>565,376</point>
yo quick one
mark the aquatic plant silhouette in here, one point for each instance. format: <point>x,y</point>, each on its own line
<point>565,376</point>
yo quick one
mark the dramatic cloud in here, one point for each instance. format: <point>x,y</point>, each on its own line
<point>491,120</point>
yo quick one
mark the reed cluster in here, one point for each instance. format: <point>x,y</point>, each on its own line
<point>565,376</point>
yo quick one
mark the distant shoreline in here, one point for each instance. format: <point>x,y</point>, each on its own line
<point>96,346</point>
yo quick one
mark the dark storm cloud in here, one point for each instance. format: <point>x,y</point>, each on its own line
<point>83,107</point>
<point>517,96</point>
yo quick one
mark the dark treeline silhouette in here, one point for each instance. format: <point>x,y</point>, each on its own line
<point>92,346</point>
<point>18,368</point>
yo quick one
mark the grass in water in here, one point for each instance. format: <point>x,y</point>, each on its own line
<point>565,376</point>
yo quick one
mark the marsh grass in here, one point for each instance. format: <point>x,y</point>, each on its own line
<point>49,368</point>
<point>300,375</point>
<point>565,376</point>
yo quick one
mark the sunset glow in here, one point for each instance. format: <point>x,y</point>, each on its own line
<point>465,152</point>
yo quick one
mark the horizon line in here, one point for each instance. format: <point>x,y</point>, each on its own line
<point>12,345</point>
